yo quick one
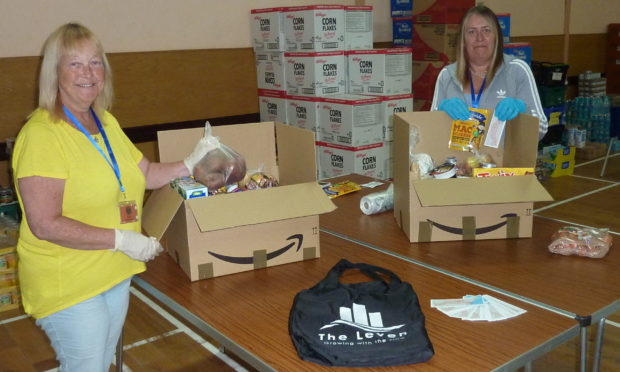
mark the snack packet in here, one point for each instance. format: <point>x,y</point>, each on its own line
<point>466,135</point>
<point>341,188</point>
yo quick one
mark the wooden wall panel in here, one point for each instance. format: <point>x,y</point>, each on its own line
<point>175,86</point>
<point>150,87</point>
<point>586,52</point>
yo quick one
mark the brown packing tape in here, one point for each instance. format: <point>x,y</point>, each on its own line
<point>260,258</point>
<point>469,228</point>
<point>424,231</point>
<point>205,271</point>
<point>309,253</point>
<point>512,227</point>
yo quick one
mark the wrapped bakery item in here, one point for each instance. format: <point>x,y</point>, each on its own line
<point>220,167</point>
<point>420,166</point>
<point>586,242</point>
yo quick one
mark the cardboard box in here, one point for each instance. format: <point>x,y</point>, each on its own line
<point>424,77</point>
<point>393,105</point>
<point>401,8</point>
<point>440,11</point>
<point>554,114</point>
<point>379,71</point>
<point>561,161</point>
<point>230,233</point>
<point>303,112</point>
<point>270,70</point>
<point>520,50</point>
<point>402,31</point>
<point>314,28</point>
<point>465,208</point>
<point>358,27</point>
<point>315,74</point>
<point>435,42</point>
<point>351,120</point>
<point>338,160</point>
<point>272,105</point>
<point>267,29</point>
<point>504,24</point>
<point>389,159</point>
<point>422,104</point>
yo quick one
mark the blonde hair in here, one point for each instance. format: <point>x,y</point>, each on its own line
<point>63,40</point>
<point>462,63</point>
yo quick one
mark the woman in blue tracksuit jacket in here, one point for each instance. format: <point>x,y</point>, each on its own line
<point>499,81</point>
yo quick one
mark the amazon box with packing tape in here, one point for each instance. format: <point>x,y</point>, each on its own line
<point>229,233</point>
<point>464,208</point>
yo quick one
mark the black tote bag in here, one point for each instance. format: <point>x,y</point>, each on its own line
<point>367,324</point>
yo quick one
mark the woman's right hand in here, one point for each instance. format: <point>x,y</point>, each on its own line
<point>135,245</point>
<point>455,107</point>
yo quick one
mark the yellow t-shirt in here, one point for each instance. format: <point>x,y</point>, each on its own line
<point>53,277</point>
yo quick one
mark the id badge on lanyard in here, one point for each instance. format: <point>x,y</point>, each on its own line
<point>128,209</point>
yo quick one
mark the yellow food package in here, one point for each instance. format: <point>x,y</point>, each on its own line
<point>466,135</point>
<point>494,172</point>
<point>341,188</point>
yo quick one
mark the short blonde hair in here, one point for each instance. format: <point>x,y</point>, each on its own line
<point>63,40</point>
<point>462,63</point>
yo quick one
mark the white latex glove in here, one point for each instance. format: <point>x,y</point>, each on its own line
<point>206,144</point>
<point>136,245</point>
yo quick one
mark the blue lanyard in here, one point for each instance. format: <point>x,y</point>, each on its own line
<point>475,100</point>
<point>112,161</point>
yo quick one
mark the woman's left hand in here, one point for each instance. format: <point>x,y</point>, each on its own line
<point>509,108</point>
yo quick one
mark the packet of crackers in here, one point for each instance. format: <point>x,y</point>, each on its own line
<point>466,135</point>
<point>341,188</point>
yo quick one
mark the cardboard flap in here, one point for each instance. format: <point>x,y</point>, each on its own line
<point>175,145</point>
<point>488,190</point>
<point>259,206</point>
<point>159,210</point>
<point>296,154</point>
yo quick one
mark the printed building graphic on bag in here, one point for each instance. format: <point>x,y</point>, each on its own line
<point>368,328</point>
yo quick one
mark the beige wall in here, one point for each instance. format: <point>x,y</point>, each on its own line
<point>546,17</point>
<point>149,25</point>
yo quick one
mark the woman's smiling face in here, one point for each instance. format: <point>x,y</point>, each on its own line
<point>81,76</point>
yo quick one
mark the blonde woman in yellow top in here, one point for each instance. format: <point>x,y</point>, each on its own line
<point>81,184</point>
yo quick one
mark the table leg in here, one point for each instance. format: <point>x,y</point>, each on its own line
<point>119,353</point>
<point>584,349</point>
<point>596,364</point>
<point>528,367</point>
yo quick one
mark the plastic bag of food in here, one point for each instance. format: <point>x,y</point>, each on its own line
<point>220,167</point>
<point>587,242</point>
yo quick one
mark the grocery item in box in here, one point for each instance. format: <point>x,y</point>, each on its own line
<point>189,188</point>
<point>466,135</point>
<point>495,172</point>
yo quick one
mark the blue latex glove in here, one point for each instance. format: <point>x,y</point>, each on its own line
<point>455,107</point>
<point>508,108</point>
